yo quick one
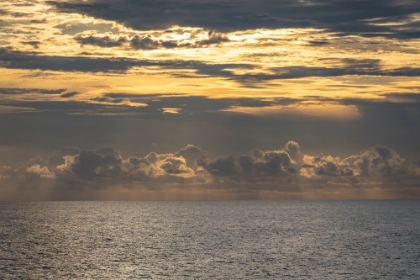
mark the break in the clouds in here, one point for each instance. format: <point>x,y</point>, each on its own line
<point>285,172</point>
<point>148,77</point>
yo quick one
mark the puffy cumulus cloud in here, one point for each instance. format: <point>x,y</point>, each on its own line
<point>224,166</point>
<point>107,164</point>
<point>325,166</point>
<point>38,170</point>
<point>160,167</point>
<point>376,165</point>
<point>31,170</point>
<point>260,165</point>
<point>380,161</point>
<point>190,153</point>
<point>57,158</point>
<point>77,165</point>
<point>287,170</point>
<point>379,167</point>
<point>102,163</point>
<point>292,148</point>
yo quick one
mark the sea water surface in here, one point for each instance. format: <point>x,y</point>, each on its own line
<point>210,240</point>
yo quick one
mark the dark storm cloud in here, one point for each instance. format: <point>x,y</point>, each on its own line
<point>345,17</point>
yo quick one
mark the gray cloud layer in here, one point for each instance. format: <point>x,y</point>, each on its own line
<point>76,118</point>
<point>369,67</point>
<point>345,17</point>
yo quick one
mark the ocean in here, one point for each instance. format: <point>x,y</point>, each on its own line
<point>210,240</point>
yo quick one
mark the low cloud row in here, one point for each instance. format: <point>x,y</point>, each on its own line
<point>285,169</point>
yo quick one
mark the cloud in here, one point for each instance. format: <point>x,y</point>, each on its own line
<point>57,158</point>
<point>376,167</point>
<point>260,165</point>
<point>293,149</point>
<point>69,94</point>
<point>107,164</point>
<point>37,170</point>
<point>380,161</point>
<point>214,38</point>
<point>104,42</point>
<point>144,43</point>
<point>190,153</point>
<point>33,60</point>
<point>326,166</point>
<point>194,39</point>
<point>39,21</point>
<point>21,60</point>
<point>74,27</point>
<point>369,18</point>
<point>34,44</point>
<point>230,71</point>
<point>19,91</point>
<point>102,163</point>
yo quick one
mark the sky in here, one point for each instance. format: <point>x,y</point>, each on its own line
<point>209,99</point>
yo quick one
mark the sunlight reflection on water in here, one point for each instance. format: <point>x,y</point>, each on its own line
<point>211,240</point>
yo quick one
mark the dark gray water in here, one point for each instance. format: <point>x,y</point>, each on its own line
<point>210,240</point>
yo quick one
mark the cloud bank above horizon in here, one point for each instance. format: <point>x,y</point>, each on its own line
<point>190,173</point>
